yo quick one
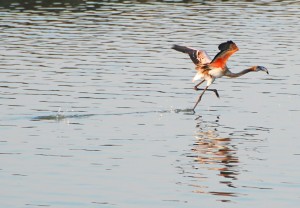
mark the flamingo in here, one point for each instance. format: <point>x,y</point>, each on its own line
<point>208,70</point>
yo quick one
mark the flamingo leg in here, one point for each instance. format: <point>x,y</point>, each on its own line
<point>199,99</point>
<point>196,86</point>
<point>214,90</point>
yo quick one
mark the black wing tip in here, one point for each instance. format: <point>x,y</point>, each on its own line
<point>179,48</point>
<point>175,46</point>
<point>225,46</point>
<point>191,52</point>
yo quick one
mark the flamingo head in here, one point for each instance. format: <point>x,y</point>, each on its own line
<point>260,68</point>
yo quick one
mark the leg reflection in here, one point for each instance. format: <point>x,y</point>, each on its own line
<point>215,159</point>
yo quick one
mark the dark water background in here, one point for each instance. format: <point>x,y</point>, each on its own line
<point>93,105</point>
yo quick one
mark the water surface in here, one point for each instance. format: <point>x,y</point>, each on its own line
<point>94,105</point>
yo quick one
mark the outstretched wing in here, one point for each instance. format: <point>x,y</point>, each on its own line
<point>199,57</point>
<point>226,50</point>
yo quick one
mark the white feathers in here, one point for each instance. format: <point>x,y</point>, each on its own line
<point>198,76</point>
<point>216,72</point>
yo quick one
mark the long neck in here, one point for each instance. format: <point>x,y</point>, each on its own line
<point>241,73</point>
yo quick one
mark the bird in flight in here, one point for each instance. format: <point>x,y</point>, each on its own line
<point>208,70</point>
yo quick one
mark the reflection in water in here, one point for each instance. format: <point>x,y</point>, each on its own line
<point>215,153</point>
<point>212,149</point>
<point>216,168</point>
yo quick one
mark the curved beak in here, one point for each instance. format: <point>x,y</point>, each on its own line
<point>266,70</point>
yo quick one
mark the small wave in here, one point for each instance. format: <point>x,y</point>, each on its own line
<point>186,111</point>
<point>59,117</point>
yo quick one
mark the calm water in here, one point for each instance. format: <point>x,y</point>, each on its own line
<point>93,103</point>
